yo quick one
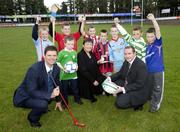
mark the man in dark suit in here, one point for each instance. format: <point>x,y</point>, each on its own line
<point>131,79</point>
<point>40,85</point>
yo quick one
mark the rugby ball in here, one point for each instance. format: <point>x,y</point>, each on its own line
<point>70,67</point>
<point>109,87</point>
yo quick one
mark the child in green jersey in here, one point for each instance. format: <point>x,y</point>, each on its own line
<point>136,40</point>
<point>67,60</point>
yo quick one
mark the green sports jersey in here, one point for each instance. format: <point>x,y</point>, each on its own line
<point>138,44</point>
<point>65,56</point>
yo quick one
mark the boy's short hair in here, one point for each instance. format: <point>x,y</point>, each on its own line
<point>151,30</point>
<point>50,48</point>
<point>91,26</point>
<point>131,47</point>
<point>88,40</point>
<point>113,26</point>
<point>68,38</point>
<point>65,24</point>
<point>43,29</point>
<point>137,28</point>
<point>103,31</point>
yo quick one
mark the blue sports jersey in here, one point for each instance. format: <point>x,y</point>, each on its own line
<point>154,56</point>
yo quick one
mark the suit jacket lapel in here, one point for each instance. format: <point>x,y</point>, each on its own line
<point>45,75</point>
<point>132,66</point>
<point>54,72</point>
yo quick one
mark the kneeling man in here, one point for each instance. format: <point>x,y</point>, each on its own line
<point>131,79</point>
<point>40,85</point>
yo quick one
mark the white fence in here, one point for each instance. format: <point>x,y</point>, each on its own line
<point>72,18</point>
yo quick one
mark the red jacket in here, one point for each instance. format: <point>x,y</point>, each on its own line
<point>60,40</point>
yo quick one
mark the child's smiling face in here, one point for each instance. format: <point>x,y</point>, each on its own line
<point>69,44</point>
<point>103,37</point>
<point>114,32</point>
<point>150,37</point>
<point>137,34</point>
<point>44,34</point>
<point>66,29</point>
<point>92,31</point>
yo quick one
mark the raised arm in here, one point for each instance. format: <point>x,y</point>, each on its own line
<point>119,27</point>
<point>54,9</point>
<point>52,19</point>
<point>155,24</point>
<point>82,20</point>
<point>35,29</point>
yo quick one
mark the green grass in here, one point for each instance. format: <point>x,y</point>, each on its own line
<point>17,53</point>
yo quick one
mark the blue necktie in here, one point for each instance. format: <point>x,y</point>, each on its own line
<point>50,82</point>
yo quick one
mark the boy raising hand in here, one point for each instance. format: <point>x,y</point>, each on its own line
<point>41,41</point>
<point>134,40</point>
<point>155,64</point>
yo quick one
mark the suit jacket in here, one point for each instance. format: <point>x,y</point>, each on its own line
<point>35,84</point>
<point>136,80</point>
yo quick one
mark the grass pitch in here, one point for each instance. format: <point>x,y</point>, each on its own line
<point>17,53</point>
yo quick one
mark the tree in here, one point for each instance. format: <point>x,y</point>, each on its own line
<point>37,7</point>
<point>64,8</point>
<point>92,6</point>
<point>112,6</point>
<point>29,6</point>
<point>71,7</point>
<point>103,5</point>
<point>6,7</point>
<point>80,6</point>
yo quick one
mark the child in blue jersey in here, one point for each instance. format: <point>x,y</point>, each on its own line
<point>116,49</point>
<point>155,64</point>
<point>40,42</point>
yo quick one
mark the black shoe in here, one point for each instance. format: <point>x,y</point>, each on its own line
<point>79,102</point>
<point>34,124</point>
<point>107,94</point>
<point>138,107</point>
<point>93,100</point>
<point>48,110</point>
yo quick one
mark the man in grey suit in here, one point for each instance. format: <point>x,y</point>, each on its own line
<point>40,85</point>
<point>131,79</point>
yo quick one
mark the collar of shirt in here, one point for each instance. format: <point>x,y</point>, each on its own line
<point>139,40</point>
<point>67,49</point>
<point>104,43</point>
<point>48,68</point>
<point>44,39</point>
<point>94,36</point>
<point>115,39</point>
<point>132,61</point>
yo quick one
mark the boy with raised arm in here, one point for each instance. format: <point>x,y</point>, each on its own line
<point>155,64</point>
<point>66,31</point>
<point>40,42</point>
<point>116,49</point>
<point>134,40</point>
